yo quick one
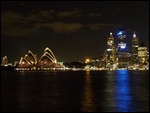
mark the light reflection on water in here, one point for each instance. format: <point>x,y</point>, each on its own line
<point>88,96</point>
<point>103,91</point>
<point>22,92</point>
<point>123,96</point>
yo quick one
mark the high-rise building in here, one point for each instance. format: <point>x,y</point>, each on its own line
<point>122,47</point>
<point>110,41</point>
<point>135,45</point>
<point>110,51</point>
<point>122,52</point>
<point>142,53</point>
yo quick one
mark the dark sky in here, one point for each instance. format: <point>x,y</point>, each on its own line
<point>72,30</point>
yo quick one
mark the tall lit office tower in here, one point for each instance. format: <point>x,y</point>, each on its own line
<point>110,42</point>
<point>142,54</point>
<point>110,50</point>
<point>121,40</point>
<point>122,53</point>
<point>135,45</point>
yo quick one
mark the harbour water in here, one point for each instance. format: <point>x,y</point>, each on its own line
<point>80,91</point>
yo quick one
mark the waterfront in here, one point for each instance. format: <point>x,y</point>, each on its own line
<point>65,91</point>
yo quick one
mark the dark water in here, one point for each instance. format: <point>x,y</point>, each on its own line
<point>117,91</point>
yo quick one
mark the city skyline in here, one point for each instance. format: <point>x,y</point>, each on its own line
<point>72,30</point>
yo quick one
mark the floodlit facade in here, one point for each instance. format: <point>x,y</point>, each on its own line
<point>29,60</point>
<point>46,61</point>
<point>142,54</point>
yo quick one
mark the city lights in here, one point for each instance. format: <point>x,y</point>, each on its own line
<point>114,58</point>
<point>87,60</point>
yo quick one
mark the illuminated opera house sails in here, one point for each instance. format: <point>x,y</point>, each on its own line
<point>31,58</point>
<point>50,53</point>
<point>48,59</point>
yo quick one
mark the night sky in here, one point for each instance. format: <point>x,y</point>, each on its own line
<point>72,30</point>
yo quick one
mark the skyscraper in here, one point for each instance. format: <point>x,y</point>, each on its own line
<point>110,51</point>
<point>142,53</point>
<point>135,45</point>
<point>122,40</point>
<point>110,42</point>
<point>122,52</point>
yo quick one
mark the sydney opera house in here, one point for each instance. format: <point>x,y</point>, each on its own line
<point>47,61</point>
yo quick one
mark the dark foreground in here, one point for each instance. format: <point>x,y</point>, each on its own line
<point>101,91</point>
